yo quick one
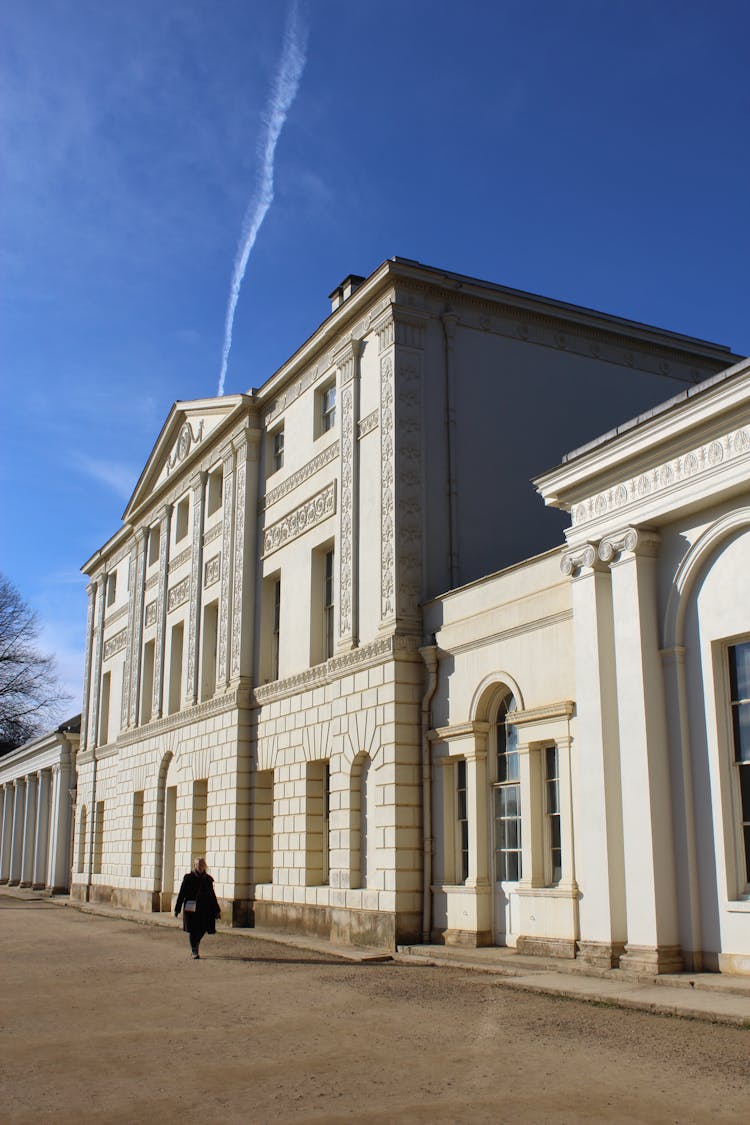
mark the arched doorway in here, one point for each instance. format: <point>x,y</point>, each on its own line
<point>166,832</point>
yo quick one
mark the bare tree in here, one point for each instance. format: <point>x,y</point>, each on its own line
<point>29,691</point>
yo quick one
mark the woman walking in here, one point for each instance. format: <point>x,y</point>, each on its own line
<point>199,905</point>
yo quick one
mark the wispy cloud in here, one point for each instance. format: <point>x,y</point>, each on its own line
<point>120,478</point>
<point>284,90</point>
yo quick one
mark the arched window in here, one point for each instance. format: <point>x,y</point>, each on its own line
<point>362,830</point>
<point>507,796</point>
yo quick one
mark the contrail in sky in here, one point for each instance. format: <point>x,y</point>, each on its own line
<point>284,90</point>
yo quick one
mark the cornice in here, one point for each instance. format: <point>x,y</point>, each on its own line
<point>228,701</point>
<point>392,647</point>
<point>532,626</point>
<point>564,709</point>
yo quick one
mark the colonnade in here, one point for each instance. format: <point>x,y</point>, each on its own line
<point>35,828</point>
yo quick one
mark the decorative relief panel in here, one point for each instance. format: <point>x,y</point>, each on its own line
<point>213,533</point>
<point>303,474</point>
<point>368,424</point>
<point>178,594</point>
<point>91,591</point>
<point>308,515</point>
<point>187,438</point>
<point>212,570</point>
<point>115,644</point>
<point>152,582</point>
<point>700,460</point>
<point>149,617</point>
<point>387,492</point>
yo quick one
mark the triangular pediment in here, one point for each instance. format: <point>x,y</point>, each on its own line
<point>187,432</point>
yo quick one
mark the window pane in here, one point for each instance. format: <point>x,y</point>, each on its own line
<point>745,791</point>
<point>552,798</point>
<point>512,866</point>
<point>739,670</point>
<point>512,834</point>
<point>555,833</point>
<point>741,723</point>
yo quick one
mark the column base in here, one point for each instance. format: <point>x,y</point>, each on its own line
<point>38,886</point>
<point>470,939</point>
<point>26,884</point>
<point>4,880</point>
<point>601,954</point>
<point>14,882</point>
<point>649,960</point>
<point>545,946</point>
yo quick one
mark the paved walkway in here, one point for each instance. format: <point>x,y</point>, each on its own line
<point>714,997</point>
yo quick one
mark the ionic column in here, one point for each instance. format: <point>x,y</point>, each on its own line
<point>58,875</point>
<point>135,627</point>
<point>347,362</point>
<point>227,556</point>
<point>96,672</point>
<point>16,847</point>
<point>29,835</point>
<point>6,834</point>
<point>39,875</point>
<point>596,783</point>
<point>91,592</point>
<point>650,874</point>
<point>161,609</point>
<point>196,585</point>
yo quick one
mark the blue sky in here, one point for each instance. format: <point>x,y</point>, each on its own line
<point>593,150</point>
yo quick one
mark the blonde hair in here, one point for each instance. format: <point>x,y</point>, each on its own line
<point>199,865</point>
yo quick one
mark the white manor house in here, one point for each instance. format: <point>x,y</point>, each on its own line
<point>394,691</point>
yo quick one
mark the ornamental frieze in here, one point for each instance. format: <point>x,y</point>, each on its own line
<point>324,458</point>
<point>368,424</point>
<point>700,460</point>
<point>115,644</point>
<point>306,516</point>
<point>178,594</point>
<point>179,560</point>
<point>150,614</point>
<point>213,533</point>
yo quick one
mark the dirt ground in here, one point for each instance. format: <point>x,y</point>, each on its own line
<point>105,1020</point>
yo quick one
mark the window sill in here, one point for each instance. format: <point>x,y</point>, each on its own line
<point>739,906</point>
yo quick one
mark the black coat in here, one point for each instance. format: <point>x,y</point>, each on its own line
<point>200,888</point>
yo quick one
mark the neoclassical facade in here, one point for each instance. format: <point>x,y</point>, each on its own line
<point>276,678</point>
<point>37,797</point>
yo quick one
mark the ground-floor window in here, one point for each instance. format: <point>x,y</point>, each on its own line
<point>552,812</point>
<point>462,822</point>
<point>136,848</point>
<point>739,679</point>
<point>507,797</point>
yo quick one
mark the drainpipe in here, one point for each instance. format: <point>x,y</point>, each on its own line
<point>430,657</point>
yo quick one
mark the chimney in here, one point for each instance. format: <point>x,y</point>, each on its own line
<point>344,290</point>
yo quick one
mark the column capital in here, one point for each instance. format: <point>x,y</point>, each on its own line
<point>580,561</point>
<point>140,536</point>
<point>632,541</point>
<point>346,356</point>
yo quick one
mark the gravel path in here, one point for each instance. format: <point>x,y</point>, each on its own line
<point>105,1020</point>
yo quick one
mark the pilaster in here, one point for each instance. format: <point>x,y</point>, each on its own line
<point>165,539</point>
<point>246,450</point>
<point>196,585</point>
<point>347,362</point>
<point>595,782</point>
<point>227,558</point>
<point>135,627</point>
<point>650,877</point>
